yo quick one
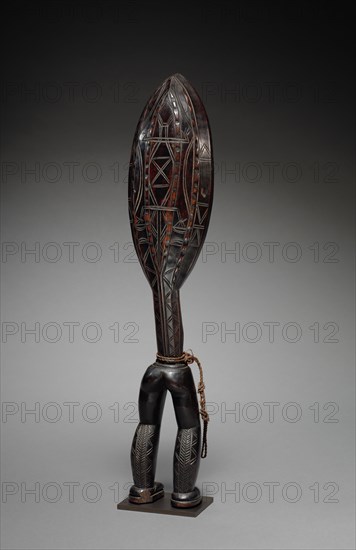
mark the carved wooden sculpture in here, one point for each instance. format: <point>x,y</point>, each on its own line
<point>170,200</point>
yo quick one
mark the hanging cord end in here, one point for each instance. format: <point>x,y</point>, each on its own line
<point>189,359</point>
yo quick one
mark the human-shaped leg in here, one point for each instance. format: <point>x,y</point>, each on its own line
<point>186,459</point>
<point>146,439</point>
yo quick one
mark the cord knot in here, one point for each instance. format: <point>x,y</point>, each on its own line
<point>190,358</point>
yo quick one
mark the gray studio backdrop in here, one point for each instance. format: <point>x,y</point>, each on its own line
<point>268,308</point>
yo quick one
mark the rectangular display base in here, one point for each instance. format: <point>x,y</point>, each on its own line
<point>163,506</point>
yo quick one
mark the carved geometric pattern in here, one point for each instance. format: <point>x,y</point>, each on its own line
<point>170,198</point>
<point>186,459</point>
<point>143,454</point>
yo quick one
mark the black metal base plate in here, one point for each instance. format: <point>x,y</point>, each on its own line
<point>164,506</point>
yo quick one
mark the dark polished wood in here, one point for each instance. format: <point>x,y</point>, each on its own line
<point>163,506</point>
<point>170,198</point>
<point>170,201</point>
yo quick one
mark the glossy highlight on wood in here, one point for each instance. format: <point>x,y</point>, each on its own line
<point>170,198</point>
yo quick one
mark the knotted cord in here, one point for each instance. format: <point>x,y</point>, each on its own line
<point>190,358</point>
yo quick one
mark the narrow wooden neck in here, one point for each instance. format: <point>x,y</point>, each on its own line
<point>168,318</point>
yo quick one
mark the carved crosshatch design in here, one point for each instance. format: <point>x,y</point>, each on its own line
<point>170,197</point>
<point>170,200</point>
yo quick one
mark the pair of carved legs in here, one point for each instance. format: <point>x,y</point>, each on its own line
<point>178,379</point>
